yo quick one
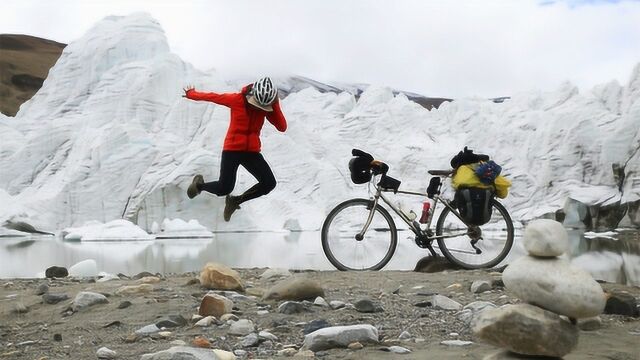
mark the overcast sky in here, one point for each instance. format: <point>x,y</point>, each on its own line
<point>438,48</point>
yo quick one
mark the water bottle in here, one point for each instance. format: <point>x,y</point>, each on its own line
<point>411,215</point>
<point>426,211</point>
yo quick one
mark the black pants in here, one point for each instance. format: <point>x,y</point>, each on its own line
<point>254,163</point>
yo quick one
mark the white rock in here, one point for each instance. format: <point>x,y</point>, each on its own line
<point>105,353</point>
<point>242,327</point>
<point>226,355</point>
<point>456,343</point>
<point>147,330</point>
<point>320,301</point>
<point>405,335</point>
<point>85,268</point>
<point>441,302</point>
<point>546,238</point>
<point>556,285</point>
<point>182,352</point>
<point>104,277</point>
<point>339,336</point>
<point>267,336</point>
<point>178,343</point>
<point>206,321</point>
<point>398,349</point>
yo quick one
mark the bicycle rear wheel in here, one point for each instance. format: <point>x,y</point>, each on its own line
<point>494,238</point>
<point>339,231</point>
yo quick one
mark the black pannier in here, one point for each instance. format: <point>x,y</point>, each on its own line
<point>360,166</point>
<point>474,204</point>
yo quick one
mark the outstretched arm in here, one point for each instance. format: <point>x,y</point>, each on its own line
<point>277,118</point>
<point>220,99</point>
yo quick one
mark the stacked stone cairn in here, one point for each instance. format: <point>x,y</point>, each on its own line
<point>554,294</point>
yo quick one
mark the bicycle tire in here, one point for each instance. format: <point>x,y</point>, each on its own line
<point>340,208</point>
<point>504,252</point>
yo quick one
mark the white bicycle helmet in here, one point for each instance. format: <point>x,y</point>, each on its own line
<point>264,91</point>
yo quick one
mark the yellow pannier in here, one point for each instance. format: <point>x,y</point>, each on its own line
<point>465,177</point>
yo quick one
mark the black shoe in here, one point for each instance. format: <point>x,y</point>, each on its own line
<point>230,206</point>
<point>193,191</point>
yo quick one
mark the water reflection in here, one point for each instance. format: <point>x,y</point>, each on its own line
<point>606,259</point>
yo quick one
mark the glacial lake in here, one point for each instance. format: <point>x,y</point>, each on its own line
<point>611,259</point>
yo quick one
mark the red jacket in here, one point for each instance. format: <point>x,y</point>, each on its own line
<point>246,122</point>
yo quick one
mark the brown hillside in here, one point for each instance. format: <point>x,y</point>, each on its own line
<point>24,64</point>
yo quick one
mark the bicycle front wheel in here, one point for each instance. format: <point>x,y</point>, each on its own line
<point>494,239</point>
<point>345,250</point>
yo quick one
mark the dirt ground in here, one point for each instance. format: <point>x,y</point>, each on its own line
<point>84,332</point>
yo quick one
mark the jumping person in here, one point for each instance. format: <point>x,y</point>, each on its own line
<point>242,143</point>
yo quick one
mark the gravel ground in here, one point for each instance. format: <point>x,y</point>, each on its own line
<point>33,333</point>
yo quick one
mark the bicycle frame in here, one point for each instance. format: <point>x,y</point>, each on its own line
<point>412,224</point>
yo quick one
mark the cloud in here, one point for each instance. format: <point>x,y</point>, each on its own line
<point>438,48</point>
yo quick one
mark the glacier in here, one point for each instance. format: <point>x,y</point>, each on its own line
<point>109,137</point>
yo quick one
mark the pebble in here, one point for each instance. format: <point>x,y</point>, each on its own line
<point>147,330</point>
<point>201,342</point>
<point>405,335</point>
<point>314,325</point>
<point>355,346</point>
<point>134,289</point>
<point>480,286</point>
<point>250,340</point>
<point>287,352</point>
<point>335,304</point>
<point>305,353</point>
<point>227,317</point>
<point>367,306</point>
<point>52,299</point>
<point>57,337</point>
<point>42,289</point>
<point>396,349</point>
<point>265,335</point>
<point>291,307</point>
<point>204,322</point>
<point>178,343</point>
<point>105,353</point>
<point>241,327</point>
<point>320,301</point>
<point>456,343</point>
<point>125,304</point>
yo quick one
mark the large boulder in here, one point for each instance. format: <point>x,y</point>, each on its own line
<point>220,277</point>
<point>340,336</point>
<point>56,272</point>
<point>294,288</point>
<point>215,305</point>
<point>85,268</point>
<point>526,329</point>
<point>556,285</point>
<point>546,238</point>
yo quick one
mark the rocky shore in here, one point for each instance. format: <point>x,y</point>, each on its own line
<point>362,315</point>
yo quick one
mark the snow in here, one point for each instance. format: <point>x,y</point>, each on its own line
<point>603,235</point>
<point>109,138</point>
<point>113,230</point>
<point>178,228</point>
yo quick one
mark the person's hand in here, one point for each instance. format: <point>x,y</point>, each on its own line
<point>186,90</point>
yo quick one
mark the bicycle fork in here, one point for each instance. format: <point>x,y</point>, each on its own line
<point>372,209</point>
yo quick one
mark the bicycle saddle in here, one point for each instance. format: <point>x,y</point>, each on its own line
<point>440,172</point>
